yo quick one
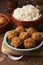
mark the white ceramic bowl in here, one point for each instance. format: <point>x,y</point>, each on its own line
<point>18,49</point>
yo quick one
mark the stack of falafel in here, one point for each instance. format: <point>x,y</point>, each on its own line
<point>24,38</point>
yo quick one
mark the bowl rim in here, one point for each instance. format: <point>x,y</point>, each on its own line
<point>7,18</point>
<point>17,49</point>
<point>41,15</point>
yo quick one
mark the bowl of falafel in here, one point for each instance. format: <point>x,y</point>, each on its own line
<point>23,39</point>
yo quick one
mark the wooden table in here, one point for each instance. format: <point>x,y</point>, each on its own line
<point>25,60</point>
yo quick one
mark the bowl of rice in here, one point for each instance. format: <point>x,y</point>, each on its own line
<point>28,16</point>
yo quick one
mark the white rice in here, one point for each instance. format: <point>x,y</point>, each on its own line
<point>26,13</point>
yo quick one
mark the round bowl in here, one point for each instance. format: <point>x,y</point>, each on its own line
<point>34,23</point>
<point>4,26</point>
<point>18,49</point>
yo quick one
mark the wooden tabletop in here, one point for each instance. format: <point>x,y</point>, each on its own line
<point>26,60</point>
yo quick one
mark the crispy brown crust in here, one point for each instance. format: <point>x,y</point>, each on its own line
<point>26,38</point>
<point>28,43</point>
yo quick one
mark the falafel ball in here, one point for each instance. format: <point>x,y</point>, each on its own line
<point>29,43</point>
<point>20,29</point>
<point>12,34</point>
<point>16,42</point>
<point>37,36</point>
<point>23,35</point>
<point>31,31</point>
